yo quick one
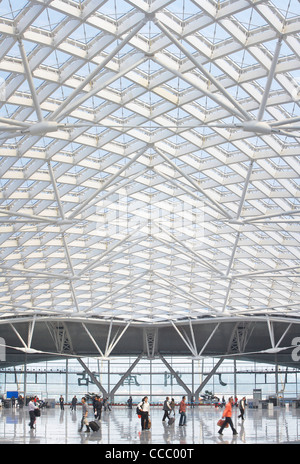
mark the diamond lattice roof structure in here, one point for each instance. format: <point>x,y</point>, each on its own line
<point>149,159</point>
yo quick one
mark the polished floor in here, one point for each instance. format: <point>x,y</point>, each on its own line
<point>122,426</point>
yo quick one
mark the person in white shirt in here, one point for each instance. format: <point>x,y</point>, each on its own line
<point>144,408</point>
<point>31,407</point>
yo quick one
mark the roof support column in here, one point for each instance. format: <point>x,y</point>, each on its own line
<point>93,377</point>
<point>179,381</point>
<point>30,81</point>
<point>269,81</point>
<point>124,376</point>
<point>208,377</point>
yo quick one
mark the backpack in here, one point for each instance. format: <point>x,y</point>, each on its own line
<point>138,410</point>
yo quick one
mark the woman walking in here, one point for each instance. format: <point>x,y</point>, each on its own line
<point>31,408</point>
<point>144,409</point>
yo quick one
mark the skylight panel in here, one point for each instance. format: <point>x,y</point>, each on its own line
<point>85,69</point>
<point>49,19</point>
<point>285,50</point>
<point>215,33</point>
<point>179,84</point>
<point>250,19</point>
<point>120,84</point>
<point>115,9</point>
<point>288,9</point>
<point>84,33</point>
<point>183,9</point>
<point>11,10</point>
<point>56,59</point>
<point>242,59</point>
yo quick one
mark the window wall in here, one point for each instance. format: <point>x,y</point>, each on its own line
<point>149,377</point>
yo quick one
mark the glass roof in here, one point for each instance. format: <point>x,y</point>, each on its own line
<point>149,158</point>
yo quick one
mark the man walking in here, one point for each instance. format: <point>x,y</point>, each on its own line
<point>62,403</point>
<point>98,408</point>
<point>242,406</point>
<point>166,408</point>
<point>182,412</point>
<point>85,412</point>
<point>73,403</point>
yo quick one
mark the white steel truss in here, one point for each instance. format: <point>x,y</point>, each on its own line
<point>149,160</point>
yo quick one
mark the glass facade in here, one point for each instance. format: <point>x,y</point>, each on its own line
<point>50,379</point>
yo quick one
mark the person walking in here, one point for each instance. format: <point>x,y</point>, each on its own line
<point>129,402</point>
<point>182,412</point>
<point>94,402</point>
<point>172,406</point>
<point>227,414</point>
<point>31,408</point>
<point>62,403</point>
<point>73,403</point>
<point>242,406</point>
<point>144,408</point>
<point>98,408</point>
<point>20,401</point>
<point>85,412</point>
<point>166,409</point>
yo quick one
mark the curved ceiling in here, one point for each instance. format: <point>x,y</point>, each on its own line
<point>149,159</point>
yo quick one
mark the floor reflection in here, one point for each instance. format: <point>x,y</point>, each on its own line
<point>122,426</point>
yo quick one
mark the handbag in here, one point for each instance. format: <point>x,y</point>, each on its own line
<point>221,422</point>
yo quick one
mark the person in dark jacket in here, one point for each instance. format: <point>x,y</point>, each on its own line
<point>242,406</point>
<point>73,403</point>
<point>98,408</point>
<point>62,403</point>
<point>166,409</point>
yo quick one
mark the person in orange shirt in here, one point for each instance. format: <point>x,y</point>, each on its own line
<point>182,412</point>
<point>227,416</point>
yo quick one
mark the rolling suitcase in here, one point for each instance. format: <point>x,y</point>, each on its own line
<point>94,426</point>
